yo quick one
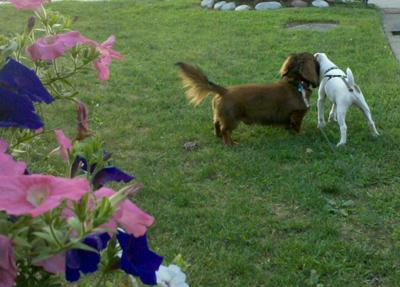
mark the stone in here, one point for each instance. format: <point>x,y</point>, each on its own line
<point>268,5</point>
<point>320,4</point>
<point>219,4</point>
<point>299,4</point>
<point>207,3</point>
<point>242,8</point>
<point>228,6</point>
<point>190,145</point>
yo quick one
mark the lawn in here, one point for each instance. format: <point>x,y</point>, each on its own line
<point>278,209</point>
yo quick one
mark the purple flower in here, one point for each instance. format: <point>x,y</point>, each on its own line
<point>19,88</point>
<point>137,259</point>
<point>108,174</point>
<point>85,261</point>
<point>23,81</point>
<point>80,163</point>
<point>17,111</point>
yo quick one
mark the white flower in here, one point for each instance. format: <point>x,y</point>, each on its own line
<point>171,276</point>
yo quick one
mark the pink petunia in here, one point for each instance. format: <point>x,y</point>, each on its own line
<point>106,55</point>
<point>37,194</point>
<point>128,215</point>
<point>28,4</point>
<point>51,47</point>
<point>64,143</point>
<point>54,264</point>
<point>8,268</point>
<point>8,166</point>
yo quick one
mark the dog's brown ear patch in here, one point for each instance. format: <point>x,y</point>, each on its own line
<point>301,66</point>
<point>287,66</point>
<point>309,69</point>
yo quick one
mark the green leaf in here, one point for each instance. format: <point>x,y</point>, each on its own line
<point>80,245</point>
<point>348,203</point>
<point>43,235</point>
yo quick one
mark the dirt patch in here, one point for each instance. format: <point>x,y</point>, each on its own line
<point>318,26</point>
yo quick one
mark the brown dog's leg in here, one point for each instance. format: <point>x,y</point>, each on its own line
<point>296,118</point>
<point>227,138</point>
<point>217,129</point>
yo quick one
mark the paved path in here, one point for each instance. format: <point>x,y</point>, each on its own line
<point>391,22</point>
<point>386,3</point>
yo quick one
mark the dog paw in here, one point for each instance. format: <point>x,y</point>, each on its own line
<point>375,134</point>
<point>321,125</point>
<point>340,144</point>
<point>332,119</point>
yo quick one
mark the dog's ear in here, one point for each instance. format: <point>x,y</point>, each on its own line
<point>287,66</point>
<point>309,69</point>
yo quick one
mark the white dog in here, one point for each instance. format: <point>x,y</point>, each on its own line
<point>343,92</point>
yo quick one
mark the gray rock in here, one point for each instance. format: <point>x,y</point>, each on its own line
<point>299,3</point>
<point>207,3</point>
<point>268,5</point>
<point>228,6</point>
<point>242,8</point>
<point>320,4</point>
<point>219,4</point>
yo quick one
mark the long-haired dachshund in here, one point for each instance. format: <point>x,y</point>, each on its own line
<point>283,103</point>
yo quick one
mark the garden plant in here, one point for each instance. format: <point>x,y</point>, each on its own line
<point>53,229</point>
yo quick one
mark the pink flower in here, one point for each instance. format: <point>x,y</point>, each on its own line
<point>8,269</point>
<point>105,57</point>
<point>37,194</point>
<point>54,264</point>
<point>132,218</point>
<point>39,131</point>
<point>8,166</point>
<point>51,47</point>
<point>28,4</point>
<point>64,142</point>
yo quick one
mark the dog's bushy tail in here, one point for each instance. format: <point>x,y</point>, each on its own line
<point>199,87</point>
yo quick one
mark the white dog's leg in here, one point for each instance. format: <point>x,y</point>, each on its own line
<point>341,117</point>
<point>332,114</point>
<point>362,104</point>
<point>320,105</point>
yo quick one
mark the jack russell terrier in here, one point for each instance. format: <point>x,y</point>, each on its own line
<point>343,92</point>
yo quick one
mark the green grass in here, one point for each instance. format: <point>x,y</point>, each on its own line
<point>269,212</point>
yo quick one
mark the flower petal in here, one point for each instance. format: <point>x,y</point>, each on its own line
<point>37,194</point>
<point>83,260</point>
<point>64,142</point>
<point>51,47</point>
<point>8,268</point>
<point>23,81</point>
<point>109,174</point>
<point>137,259</point>
<point>54,264</point>
<point>8,166</point>
<point>17,111</point>
<point>28,4</point>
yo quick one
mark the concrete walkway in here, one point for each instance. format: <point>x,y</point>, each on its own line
<point>385,4</point>
<point>391,22</point>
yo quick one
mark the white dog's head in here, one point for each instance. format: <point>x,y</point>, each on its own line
<point>319,57</point>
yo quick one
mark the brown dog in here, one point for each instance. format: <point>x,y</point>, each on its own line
<point>283,103</point>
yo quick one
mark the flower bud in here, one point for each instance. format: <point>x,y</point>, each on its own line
<point>31,24</point>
